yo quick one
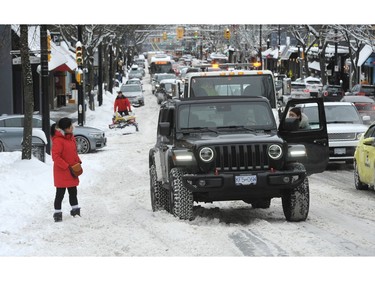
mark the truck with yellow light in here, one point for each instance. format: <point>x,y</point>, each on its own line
<point>232,83</point>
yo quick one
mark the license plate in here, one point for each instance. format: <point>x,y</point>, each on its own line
<point>246,180</point>
<point>340,151</point>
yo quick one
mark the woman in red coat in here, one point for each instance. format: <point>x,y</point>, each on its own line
<point>64,156</point>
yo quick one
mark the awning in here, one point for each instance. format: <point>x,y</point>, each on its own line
<point>364,54</point>
<point>314,65</point>
<point>285,52</point>
<point>61,57</point>
<point>271,53</point>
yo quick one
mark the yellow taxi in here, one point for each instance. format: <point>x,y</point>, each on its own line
<point>364,160</point>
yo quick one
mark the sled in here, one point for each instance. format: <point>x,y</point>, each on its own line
<point>121,122</point>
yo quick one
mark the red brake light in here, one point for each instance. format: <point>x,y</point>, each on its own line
<point>361,94</point>
<point>325,93</point>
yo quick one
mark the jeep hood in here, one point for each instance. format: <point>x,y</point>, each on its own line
<point>213,139</point>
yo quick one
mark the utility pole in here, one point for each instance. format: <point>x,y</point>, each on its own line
<point>100,75</point>
<point>81,99</point>
<point>110,67</point>
<point>44,86</point>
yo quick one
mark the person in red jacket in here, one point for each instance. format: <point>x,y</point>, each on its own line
<point>64,155</point>
<point>122,104</point>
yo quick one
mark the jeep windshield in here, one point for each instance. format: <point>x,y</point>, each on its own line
<point>240,115</point>
<point>241,85</point>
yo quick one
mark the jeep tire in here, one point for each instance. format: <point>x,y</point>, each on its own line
<point>180,198</point>
<point>296,201</point>
<point>159,195</point>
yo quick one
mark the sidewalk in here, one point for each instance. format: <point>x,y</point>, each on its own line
<point>70,110</point>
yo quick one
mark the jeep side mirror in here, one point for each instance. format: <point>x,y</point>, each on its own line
<point>164,128</point>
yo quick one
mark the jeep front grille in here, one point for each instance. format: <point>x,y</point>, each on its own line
<point>241,157</point>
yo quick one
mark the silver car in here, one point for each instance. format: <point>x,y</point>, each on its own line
<point>344,125</point>
<point>11,134</point>
<point>134,93</point>
<point>135,73</point>
<point>136,81</point>
<point>158,77</point>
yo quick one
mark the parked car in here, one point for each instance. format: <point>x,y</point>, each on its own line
<point>134,93</point>
<point>344,126</point>
<point>158,77</point>
<point>362,90</point>
<point>364,160</point>
<point>11,134</point>
<point>331,93</point>
<point>364,105</point>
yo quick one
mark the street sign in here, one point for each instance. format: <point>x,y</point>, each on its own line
<point>33,60</point>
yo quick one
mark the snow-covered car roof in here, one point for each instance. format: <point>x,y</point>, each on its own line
<point>40,134</point>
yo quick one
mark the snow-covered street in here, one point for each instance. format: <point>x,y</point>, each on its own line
<point>117,219</point>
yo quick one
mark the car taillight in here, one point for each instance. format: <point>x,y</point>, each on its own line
<point>306,90</point>
<point>325,93</point>
<point>361,94</point>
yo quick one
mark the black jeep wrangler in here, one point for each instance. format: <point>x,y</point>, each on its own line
<point>228,148</point>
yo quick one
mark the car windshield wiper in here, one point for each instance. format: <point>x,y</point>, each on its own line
<point>200,129</point>
<point>237,127</point>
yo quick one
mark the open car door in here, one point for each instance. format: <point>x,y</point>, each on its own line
<point>314,137</point>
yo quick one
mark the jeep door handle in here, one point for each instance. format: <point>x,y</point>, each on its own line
<point>321,141</point>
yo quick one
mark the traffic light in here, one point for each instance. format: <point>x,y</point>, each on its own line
<point>180,32</point>
<point>195,34</point>
<point>165,35</point>
<point>227,34</point>
<point>79,74</point>
<point>79,53</point>
<point>49,46</point>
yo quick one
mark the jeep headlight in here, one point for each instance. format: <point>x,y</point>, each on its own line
<point>183,157</point>
<point>275,151</point>
<point>206,154</point>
